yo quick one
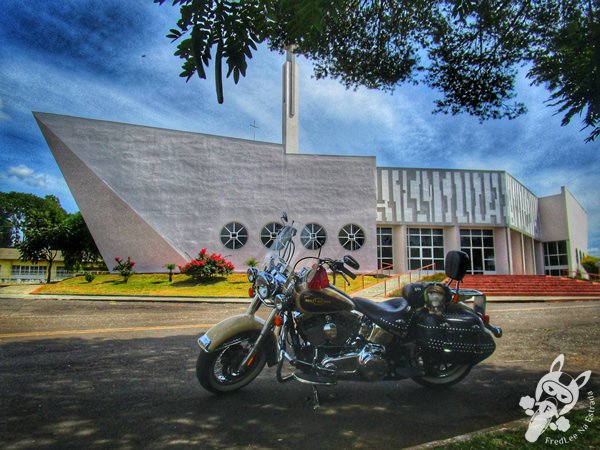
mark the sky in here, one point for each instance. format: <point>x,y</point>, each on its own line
<point>110,60</point>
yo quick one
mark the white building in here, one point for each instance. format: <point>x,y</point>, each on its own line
<point>160,196</point>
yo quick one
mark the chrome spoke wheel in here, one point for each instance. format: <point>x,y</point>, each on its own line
<point>220,371</point>
<point>441,374</point>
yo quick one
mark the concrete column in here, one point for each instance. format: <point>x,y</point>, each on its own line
<point>528,255</point>
<point>523,263</point>
<point>533,256</point>
<point>399,243</point>
<point>516,248</point>
<point>290,102</point>
<point>509,252</point>
<point>501,251</point>
<point>539,258</point>
<point>451,238</point>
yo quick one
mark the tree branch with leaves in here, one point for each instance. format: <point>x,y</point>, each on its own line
<point>470,51</point>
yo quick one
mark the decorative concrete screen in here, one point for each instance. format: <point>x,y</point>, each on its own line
<point>523,208</point>
<point>160,195</point>
<point>440,197</point>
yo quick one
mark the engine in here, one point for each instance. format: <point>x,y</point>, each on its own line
<point>335,335</point>
<point>328,329</point>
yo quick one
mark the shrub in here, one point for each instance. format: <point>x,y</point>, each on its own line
<point>89,277</point>
<point>206,266</point>
<point>170,267</point>
<point>438,276</point>
<point>251,262</point>
<point>125,268</point>
<point>589,263</point>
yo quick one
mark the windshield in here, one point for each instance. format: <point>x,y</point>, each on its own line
<point>282,249</point>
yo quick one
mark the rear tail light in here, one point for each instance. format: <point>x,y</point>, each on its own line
<point>485,318</point>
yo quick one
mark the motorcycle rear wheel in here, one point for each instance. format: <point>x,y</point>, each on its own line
<point>218,372</point>
<point>443,375</point>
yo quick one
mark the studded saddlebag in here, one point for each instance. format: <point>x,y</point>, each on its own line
<point>456,336</point>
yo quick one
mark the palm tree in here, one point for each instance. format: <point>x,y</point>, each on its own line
<point>170,268</point>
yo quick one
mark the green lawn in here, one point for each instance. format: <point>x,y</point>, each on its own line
<point>584,433</point>
<point>356,284</point>
<point>157,285</point>
<point>439,277</point>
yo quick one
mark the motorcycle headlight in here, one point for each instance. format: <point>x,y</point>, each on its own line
<point>435,299</point>
<point>252,273</point>
<point>265,285</point>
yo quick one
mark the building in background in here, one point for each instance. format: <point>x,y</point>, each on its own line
<point>160,196</point>
<point>505,229</point>
<point>13,269</point>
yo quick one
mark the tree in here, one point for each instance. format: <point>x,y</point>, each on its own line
<point>170,267</point>
<point>16,210</point>
<point>40,228</point>
<point>44,234</point>
<point>470,51</point>
<point>78,248</point>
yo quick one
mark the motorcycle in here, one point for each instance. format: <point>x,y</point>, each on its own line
<point>323,336</point>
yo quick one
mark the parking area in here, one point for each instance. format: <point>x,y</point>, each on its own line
<point>110,374</point>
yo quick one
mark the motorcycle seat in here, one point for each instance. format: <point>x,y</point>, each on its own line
<point>393,315</point>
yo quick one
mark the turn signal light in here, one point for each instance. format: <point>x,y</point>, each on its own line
<point>250,292</point>
<point>278,321</point>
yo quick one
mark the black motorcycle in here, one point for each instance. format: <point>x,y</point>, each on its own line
<point>429,334</point>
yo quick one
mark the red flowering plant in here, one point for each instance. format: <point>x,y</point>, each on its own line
<point>207,266</point>
<point>125,268</point>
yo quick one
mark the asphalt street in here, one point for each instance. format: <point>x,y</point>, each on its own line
<point>80,374</point>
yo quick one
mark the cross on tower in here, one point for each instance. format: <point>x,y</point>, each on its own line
<point>253,125</point>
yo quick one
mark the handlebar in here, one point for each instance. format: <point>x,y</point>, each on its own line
<point>338,266</point>
<point>348,272</point>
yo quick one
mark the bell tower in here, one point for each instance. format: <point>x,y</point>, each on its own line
<point>290,102</point>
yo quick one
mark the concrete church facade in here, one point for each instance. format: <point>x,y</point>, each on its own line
<point>161,195</point>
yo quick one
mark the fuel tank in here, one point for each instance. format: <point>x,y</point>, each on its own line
<point>324,301</point>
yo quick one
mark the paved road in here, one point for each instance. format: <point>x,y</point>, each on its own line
<point>121,375</point>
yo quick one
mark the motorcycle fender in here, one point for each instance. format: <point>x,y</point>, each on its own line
<point>215,337</point>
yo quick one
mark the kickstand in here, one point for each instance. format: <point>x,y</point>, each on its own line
<point>316,404</point>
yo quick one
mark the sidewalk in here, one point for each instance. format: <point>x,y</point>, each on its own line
<point>24,292</point>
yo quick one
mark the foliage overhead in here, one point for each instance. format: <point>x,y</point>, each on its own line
<point>468,50</point>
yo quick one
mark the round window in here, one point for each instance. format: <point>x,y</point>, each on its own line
<point>234,235</point>
<point>313,236</point>
<point>269,233</point>
<point>351,237</point>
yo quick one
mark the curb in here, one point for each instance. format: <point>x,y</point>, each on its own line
<point>508,426</point>
<point>130,299</point>
<point>244,300</point>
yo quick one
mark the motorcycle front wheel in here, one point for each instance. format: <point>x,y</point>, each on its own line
<point>442,375</point>
<point>219,372</point>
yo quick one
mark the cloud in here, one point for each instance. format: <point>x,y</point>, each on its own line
<point>27,176</point>
<point>3,115</point>
<point>53,61</point>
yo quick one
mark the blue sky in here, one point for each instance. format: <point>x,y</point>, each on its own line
<point>110,60</point>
